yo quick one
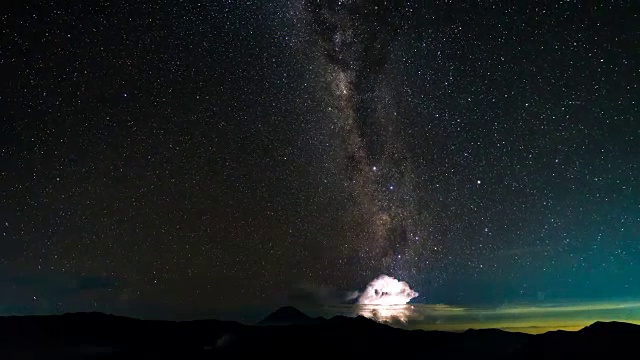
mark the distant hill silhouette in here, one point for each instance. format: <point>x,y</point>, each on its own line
<point>288,315</point>
<point>599,338</point>
<point>96,335</point>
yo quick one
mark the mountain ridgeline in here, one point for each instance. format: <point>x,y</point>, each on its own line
<point>287,333</point>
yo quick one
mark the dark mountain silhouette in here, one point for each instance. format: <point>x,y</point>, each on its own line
<point>622,328</point>
<point>288,315</point>
<point>597,338</point>
<point>96,335</point>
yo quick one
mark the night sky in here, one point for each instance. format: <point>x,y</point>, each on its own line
<point>200,159</point>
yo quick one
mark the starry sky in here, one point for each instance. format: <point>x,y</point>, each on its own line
<point>201,159</point>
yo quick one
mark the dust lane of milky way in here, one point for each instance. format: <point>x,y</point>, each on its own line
<point>353,41</point>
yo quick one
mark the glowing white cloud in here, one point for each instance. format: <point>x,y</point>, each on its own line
<point>385,299</point>
<point>385,290</point>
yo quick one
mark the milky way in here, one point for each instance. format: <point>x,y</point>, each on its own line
<point>353,41</point>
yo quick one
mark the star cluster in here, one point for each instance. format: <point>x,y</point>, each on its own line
<point>193,158</point>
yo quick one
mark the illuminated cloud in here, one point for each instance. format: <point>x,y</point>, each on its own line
<point>385,290</point>
<point>385,299</point>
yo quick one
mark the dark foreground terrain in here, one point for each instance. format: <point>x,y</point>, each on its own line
<point>289,333</point>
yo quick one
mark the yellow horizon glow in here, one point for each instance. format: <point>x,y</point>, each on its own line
<point>525,318</point>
